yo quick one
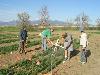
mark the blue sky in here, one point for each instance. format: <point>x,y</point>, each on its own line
<point>58,9</point>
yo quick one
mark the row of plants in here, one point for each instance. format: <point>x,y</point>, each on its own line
<point>30,67</point>
<point>7,36</point>
<point>9,28</point>
<point>96,32</point>
<point>8,41</point>
<point>40,63</point>
<point>8,49</point>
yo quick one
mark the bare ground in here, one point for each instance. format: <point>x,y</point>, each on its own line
<point>14,57</point>
<point>73,67</point>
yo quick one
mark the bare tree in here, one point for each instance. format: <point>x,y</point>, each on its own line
<point>77,20</point>
<point>98,23</point>
<point>23,20</point>
<point>44,16</point>
<point>69,23</point>
<point>82,21</point>
<point>85,20</point>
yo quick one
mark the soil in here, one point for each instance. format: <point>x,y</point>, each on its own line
<point>74,67</point>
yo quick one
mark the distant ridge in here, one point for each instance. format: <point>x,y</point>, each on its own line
<point>14,22</point>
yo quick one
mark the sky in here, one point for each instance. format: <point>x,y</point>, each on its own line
<point>58,9</point>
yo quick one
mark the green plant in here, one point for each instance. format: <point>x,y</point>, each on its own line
<point>26,67</point>
<point>8,41</point>
<point>7,49</point>
<point>76,43</point>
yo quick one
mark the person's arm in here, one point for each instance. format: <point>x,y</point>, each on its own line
<point>50,41</point>
<point>26,34</point>
<point>20,35</point>
<point>48,37</point>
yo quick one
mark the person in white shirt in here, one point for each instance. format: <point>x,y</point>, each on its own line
<point>83,45</point>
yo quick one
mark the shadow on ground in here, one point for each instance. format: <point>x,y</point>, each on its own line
<point>88,53</point>
<point>74,53</point>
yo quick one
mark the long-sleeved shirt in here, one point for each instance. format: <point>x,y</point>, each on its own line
<point>23,35</point>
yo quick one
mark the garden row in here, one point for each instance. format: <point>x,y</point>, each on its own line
<point>40,63</point>
<point>8,49</point>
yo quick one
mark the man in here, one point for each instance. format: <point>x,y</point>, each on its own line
<point>83,45</point>
<point>46,35</point>
<point>68,45</point>
<point>23,37</point>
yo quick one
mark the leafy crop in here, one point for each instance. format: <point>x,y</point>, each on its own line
<point>8,49</point>
<point>27,67</point>
<point>76,43</point>
<point>8,41</point>
<point>7,36</point>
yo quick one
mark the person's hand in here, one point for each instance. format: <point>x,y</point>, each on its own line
<point>40,34</point>
<point>52,43</point>
<point>27,38</point>
<point>22,40</point>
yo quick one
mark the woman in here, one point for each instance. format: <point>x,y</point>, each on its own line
<point>83,45</point>
<point>68,45</point>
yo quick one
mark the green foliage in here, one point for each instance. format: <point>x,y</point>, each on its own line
<point>8,41</point>
<point>27,67</point>
<point>35,42</point>
<point>3,72</point>
<point>97,32</point>
<point>7,49</point>
<point>9,28</point>
<point>76,43</point>
<point>7,36</point>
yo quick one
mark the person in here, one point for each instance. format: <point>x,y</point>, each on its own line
<point>23,38</point>
<point>46,35</point>
<point>68,45</point>
<point>83,45</point>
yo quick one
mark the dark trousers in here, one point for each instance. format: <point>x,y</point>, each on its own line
<point>22,46</point>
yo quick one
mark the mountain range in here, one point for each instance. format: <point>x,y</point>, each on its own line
<point>14,22</point>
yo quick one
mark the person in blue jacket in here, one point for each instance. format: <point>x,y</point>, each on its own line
<point>23,38</point>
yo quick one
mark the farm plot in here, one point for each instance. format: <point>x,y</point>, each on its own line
<point>23,66</point>
<point>31,66</point>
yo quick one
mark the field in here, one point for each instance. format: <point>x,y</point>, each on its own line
<point>11,62</point>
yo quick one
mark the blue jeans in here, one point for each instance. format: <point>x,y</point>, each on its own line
<point>44,43</point>
<point>83,56</point>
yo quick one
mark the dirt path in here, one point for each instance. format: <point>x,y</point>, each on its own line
<point>73,67</point>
